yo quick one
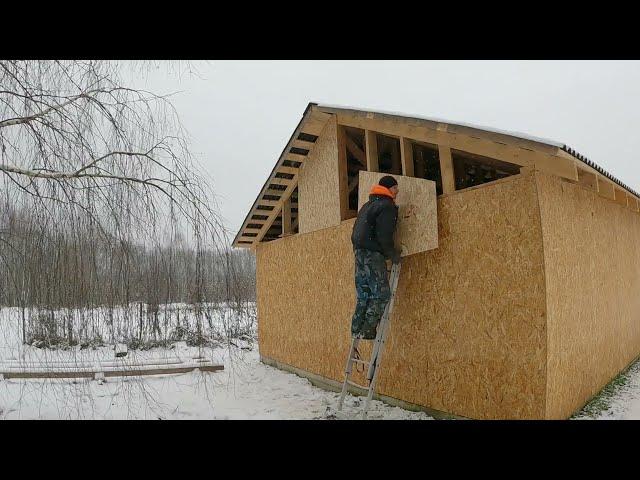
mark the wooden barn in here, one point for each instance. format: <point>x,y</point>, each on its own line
<point>518,298</point>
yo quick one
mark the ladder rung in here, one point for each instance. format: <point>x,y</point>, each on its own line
<point>353,384</point>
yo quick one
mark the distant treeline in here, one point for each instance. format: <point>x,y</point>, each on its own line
<point>55,268</point>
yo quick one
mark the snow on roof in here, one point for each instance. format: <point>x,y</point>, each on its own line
<point>524,136</point>
<point>514,134</point>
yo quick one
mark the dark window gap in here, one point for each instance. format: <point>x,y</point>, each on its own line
<point>299,151</point>
<point>287,176</point>
<point>291,163</point>
<point>354,167</point>
<point>471,170</point>
<point>426,164</point>
<point>307,137</point>
<point>389,155</point>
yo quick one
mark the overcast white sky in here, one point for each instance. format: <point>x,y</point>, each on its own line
<point>240,114</point>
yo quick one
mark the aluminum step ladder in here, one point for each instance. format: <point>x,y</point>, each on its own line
<point>376,354</point>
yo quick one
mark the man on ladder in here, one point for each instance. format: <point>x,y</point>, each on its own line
<point>372,240</point>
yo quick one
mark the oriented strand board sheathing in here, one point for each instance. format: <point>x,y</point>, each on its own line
<point>318,188</point>
<point>417,229</point>
<point>305,297</point>
<point>592,267</point>
<point>468,331</point>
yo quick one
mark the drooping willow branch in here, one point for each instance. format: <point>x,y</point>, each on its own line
<point>83,155</point>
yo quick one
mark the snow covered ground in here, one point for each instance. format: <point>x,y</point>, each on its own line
<point>246,389</point>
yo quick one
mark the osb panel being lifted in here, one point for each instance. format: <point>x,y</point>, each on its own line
<point>417,229</point>
<point>468,331</point>
<point>592,266</point>
<point>318,189</point>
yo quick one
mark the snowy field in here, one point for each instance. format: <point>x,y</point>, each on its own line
<point>246,389</point>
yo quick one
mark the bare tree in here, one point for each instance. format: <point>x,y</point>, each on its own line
<point>95,168</point>
<point>71,134</point>
<point>107,225</point>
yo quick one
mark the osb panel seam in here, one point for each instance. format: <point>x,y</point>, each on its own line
<point>533,175</point>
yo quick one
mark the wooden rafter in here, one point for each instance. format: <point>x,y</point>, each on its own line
<point>356,151</point>
<point>287,227</point>
<point>343,176</point>
<point>371,142</point>
<point>406,157</point>
<point>303,140</point>
<point>446,169</point>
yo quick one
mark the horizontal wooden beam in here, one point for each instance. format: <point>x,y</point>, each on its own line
<point>280,181</point>
<point>302,144</point>
<point>273,191</point>
<point>295,157</point>
<point>289,170</point>
<point>96,372</point>
<point>545,161</point>
<point>498,137</point>
<point>270,203</point>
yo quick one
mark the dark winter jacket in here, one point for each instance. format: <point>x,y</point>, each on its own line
<point>375,226</point>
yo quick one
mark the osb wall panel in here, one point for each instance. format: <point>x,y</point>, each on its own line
<point>592,265</point>
<point>417,229</point>
<point>318,188</point>
<point>305,298</point>
<point>468,330</point>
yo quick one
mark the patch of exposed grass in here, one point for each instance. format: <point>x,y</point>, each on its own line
<point>601,402</point>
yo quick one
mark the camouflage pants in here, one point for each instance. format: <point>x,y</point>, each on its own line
<point>372,289</point>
